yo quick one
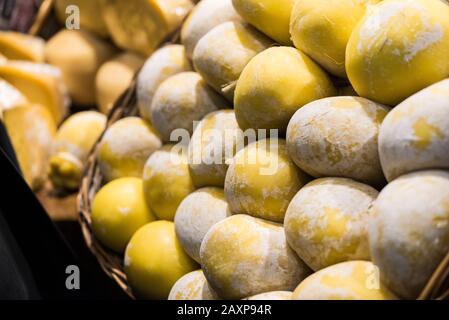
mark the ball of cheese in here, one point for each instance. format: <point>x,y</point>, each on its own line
<point>243,256</point>
<point>262,180</point>
<point>163,63</point>
<point>142,25</point>
<point>274,295</point>
<point>272,17</point>
<point>399,48</point>
<point>192,286</point>
<point>204,17</point>
<point>71,147</point>
<point>114,77</point>
<point>337,137</point>
<point>222,54</point>
<point>196,214</point>
<point>40,83</point>
<point>415,135</point>
<point>214,143</point>
<point>78,55</point>
<point>275,84</point>
<point>180,100</point>
<point>19,46</point>
<point>167,181</point>
<point>31,130</point>
<point>90,15</point>
<point>409,234</point>
<point>154,261</point>
<point>327,221</point>
<point>118,211</point>
<point>321,29</point>
<point>352,280</point>
<point>125,147</point>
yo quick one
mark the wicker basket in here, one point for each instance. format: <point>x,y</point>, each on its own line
<point>112,264</point>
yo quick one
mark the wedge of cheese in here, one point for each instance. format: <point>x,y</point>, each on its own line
<point>141,25</point>
<point>40,84</point>
<point>10,97</point>
<point>31,129</point>
<point>90,15</point>
<point>19,46</point>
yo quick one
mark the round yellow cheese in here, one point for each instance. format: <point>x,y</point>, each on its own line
<point>192,286</point>
<point>196,214</point>
<point>114,77</point>
<point>163,63</point>
<point>167,181</point>
<point>272,17</point>
<point>118,211</point>
<point>262,180</point>
<point>327,221</point>
<point>409,234</point>
<point>321,29</point>
<point>275,84</point>
<point>337,137</point>
<point>399,48</point>
<point>352,280</point>
<point>243,256</point>
<point>214,143</point>
<point>206,15</point>
<point>125,147</point>
<point>180,100</point>
<point>72,145</point>
<point>154,261</point>
<point>222,54</point>
<point>415,135</point>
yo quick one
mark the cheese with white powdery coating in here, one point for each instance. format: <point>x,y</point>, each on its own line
<point>192,286</point>
<point>415,135</point>
<point>19,46</point>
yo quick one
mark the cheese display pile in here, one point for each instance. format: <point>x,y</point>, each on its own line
<point>284,149</point>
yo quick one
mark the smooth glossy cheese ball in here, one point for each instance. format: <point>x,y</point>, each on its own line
<point>118,211</point>
<point>204,17</point>
<point>180,101</point>
<point>274,295</point>
<point>243,256</point>
<point>214,143</point>
<point>73,142</point>
<point>409,234</point>
<point>338,137</point>
<point>114,77</point>
<point>321,29</point>
<point>154,261</point>
<point>272,17</point>
<point>352,280</point>
<point>78,55</point>
<point>415,135</point>
<point>196,214</point>
<point>399,48</point>
<point>222,54</point>
<point>192,286</point>
<point>276,83</point>
<point>262,180</point>
<point>162,64</point>
<point>167,181</point>
<point>327,221</point>
<point>125,147</point>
